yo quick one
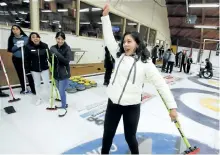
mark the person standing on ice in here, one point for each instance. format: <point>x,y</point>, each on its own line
<point>62,54</point>
<point>133,66</point>
<point>36,64</point>
<point>17,40</point>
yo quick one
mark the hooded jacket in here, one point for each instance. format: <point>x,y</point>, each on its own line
<point>61,61</point>
<point>36,57</point>
<point>125,90</point>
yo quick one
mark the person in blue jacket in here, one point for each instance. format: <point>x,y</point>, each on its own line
<point>16,40</point>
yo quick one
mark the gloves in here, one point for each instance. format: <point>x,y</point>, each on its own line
<point>20,43</point>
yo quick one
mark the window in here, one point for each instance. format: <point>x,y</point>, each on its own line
<point>131,26</point>
<point>12,12</point>
<point>117,26</point>
<point>144,33</point>
<point>58,15</point>
<point>152,37</point>
<point>90,21</point>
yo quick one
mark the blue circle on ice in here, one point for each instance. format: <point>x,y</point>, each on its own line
<point>151,143</point>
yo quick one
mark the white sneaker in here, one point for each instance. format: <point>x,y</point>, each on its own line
<point>62,112</point>
<point>38,102</point>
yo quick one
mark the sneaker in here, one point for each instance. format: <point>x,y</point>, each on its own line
<point>3,95</point>
<point>39,101</point>
<point>62,112</point>
<point>59,107</point>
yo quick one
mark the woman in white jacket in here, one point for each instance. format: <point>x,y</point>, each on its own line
<point>132,67</point>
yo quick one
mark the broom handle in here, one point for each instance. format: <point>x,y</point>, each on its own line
<point>24,74</point>
<point>52,80</point>
<point>6,76</point>
<point>52,72</point>
<point>178,126</point>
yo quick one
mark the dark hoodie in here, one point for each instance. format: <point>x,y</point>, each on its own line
<point>61,61</point>
<point>36,56</point>
<point>12,42</point>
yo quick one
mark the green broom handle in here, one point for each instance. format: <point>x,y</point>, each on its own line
<point>178,126</point>
<point>52,80</point>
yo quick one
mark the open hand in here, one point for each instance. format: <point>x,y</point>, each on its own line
<point>173,114</point>
<point>105,10</point>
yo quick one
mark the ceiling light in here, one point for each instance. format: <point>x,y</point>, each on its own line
<point>3,4</point>
<point>46,11</point>
<point>23,13</point>
<point>84,10</point>
<point>84,23</point>
<point>207,5</point>
<point>96,9</point>
<point>62,10</point>
<point>26,1</point>
<point>132,23</point>
<point>44,21</point>
<point>56,21</point>
<point>205,26</point>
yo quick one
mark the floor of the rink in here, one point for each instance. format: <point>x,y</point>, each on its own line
<point>33,129</point>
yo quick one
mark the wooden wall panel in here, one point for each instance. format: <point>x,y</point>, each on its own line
<point>80,69</point>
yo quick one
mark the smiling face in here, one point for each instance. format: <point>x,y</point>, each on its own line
<point>129,45</point>
<point>35,39</point>
<point>60,41</point>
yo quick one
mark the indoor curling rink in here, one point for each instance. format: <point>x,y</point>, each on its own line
<point>33,129</point>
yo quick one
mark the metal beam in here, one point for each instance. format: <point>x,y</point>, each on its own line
<point>183,16</point>
<point>176,3</point>
<point>201,37</point>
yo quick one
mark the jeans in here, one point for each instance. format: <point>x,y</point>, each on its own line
<point>62,85</point>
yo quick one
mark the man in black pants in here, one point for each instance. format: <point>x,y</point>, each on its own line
<point>109,65</point>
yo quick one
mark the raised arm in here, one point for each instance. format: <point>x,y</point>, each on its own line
<point>154,77</point>
<point>109,39</point>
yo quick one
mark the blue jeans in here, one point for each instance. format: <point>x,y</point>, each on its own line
<point>62,85</point>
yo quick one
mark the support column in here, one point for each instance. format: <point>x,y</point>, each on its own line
<point>138,27</point>
<point>124,26</point>
<point>148,34</point>
<point>77,17</point>
<point>34,14</point>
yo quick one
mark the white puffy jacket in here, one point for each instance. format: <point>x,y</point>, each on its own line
<point>130,94</point>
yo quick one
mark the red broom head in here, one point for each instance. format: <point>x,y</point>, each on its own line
<point>194,150</point>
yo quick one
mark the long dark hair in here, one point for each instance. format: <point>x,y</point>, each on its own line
<point>61,34</point>
<point>29,39</point>
<point>10,39</point>
<point>141,52</point>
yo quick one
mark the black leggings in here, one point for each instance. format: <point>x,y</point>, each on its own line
<point>113,114</point>
<point>19,69</point>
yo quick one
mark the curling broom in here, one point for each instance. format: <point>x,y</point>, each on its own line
<point>190,149</point>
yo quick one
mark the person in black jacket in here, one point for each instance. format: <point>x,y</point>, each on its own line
<point>109,65</point>
<point>36,64</point>
<point>62,54</point>
<point>154,54</point>
<point>189,62</point>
